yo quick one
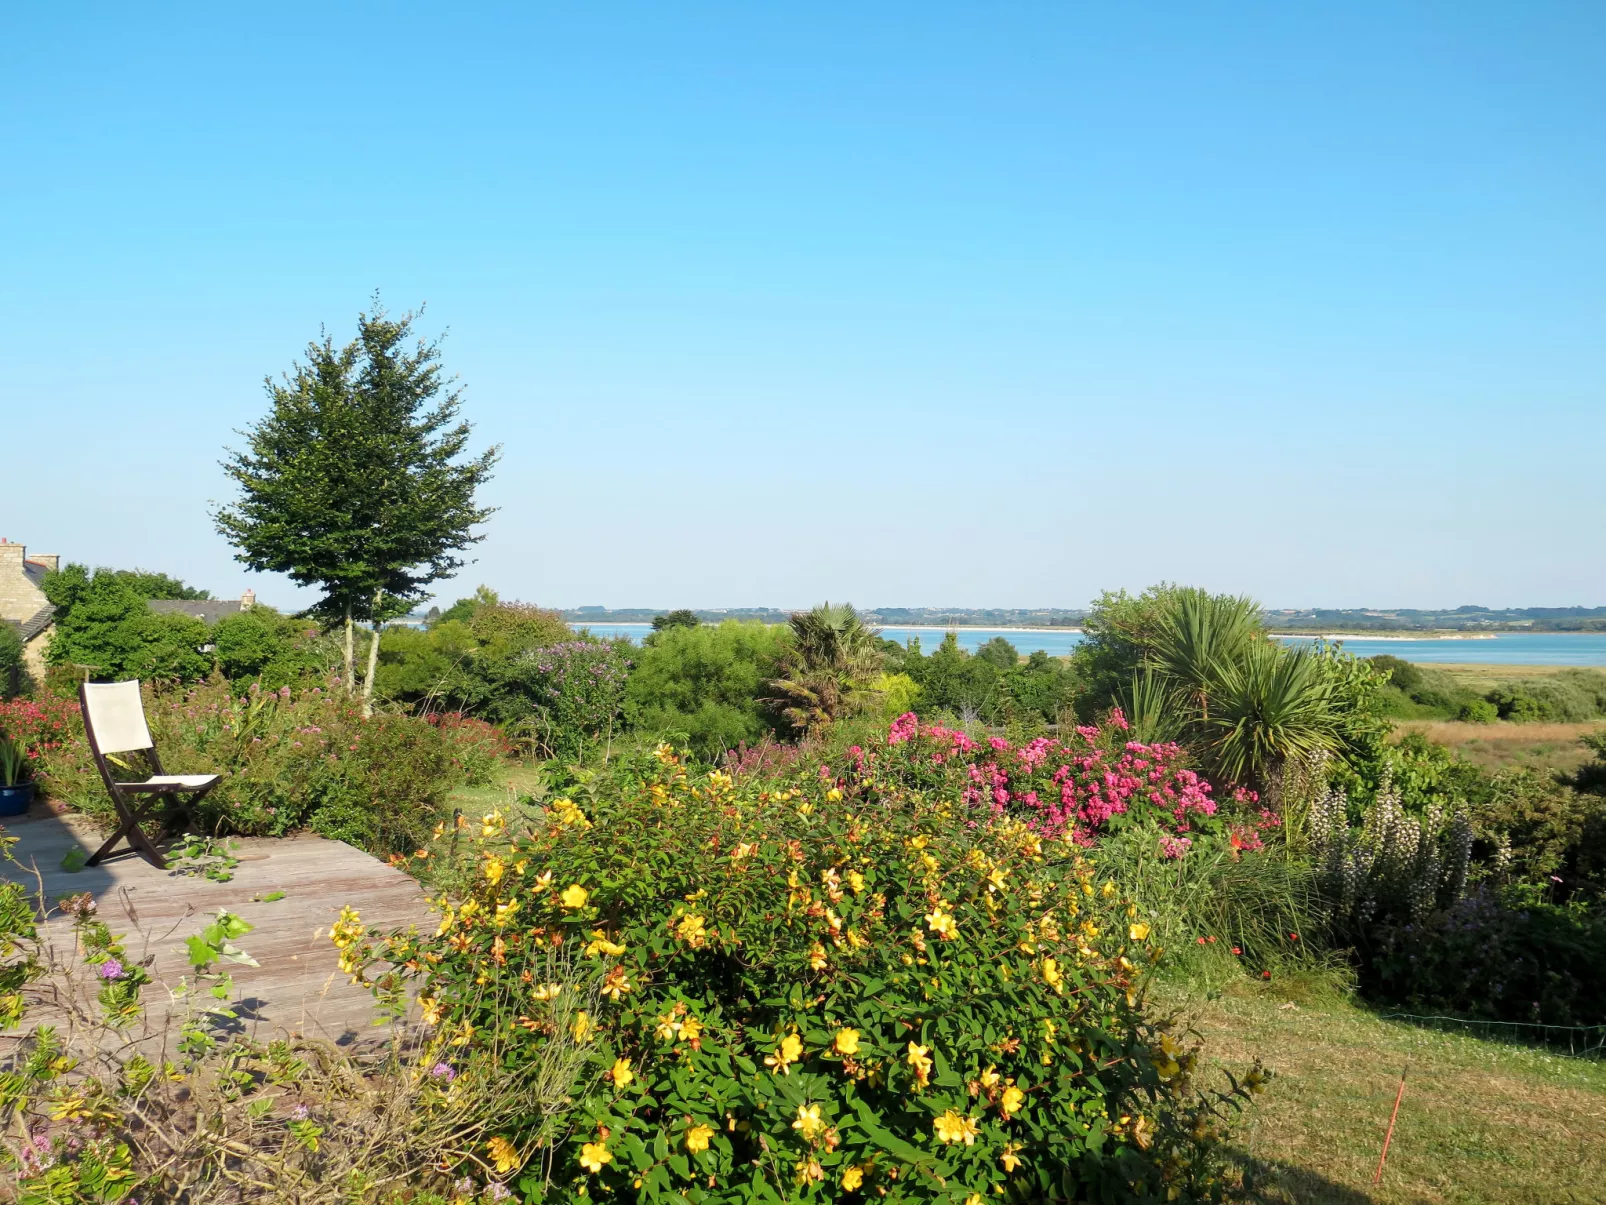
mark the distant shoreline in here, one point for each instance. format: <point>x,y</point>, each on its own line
<point>1398,635</point>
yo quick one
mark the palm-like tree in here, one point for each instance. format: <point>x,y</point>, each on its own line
<point>1273,705</point>
<point>832,658</point>
<point>1198,636</point>
<point>1247,704</point>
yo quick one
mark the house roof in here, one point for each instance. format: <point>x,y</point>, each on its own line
<point>208,610</point>
<point>36,623</point>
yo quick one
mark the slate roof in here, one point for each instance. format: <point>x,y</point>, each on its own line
<point>34,624</point>
<point>209,610</point>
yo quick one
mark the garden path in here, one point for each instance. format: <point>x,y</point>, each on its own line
<point>297,988</point>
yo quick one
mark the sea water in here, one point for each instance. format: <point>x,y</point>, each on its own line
<point>1505,648</point>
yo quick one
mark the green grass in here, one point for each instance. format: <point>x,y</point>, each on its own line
<point>514,781</point>
<point>1482,1122</point>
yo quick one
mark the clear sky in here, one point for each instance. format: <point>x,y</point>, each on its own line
<point>901,304</point>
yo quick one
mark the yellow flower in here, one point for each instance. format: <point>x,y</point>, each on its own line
<point>548,991</point>
<point>974,1199</point>
<point>847,1041</point>
<point>503,1155</point>
<point>1109,889</point>
<point>919,1057</point>
<point>691,1029</point>
<point>808,1121</point>
<point>1009,1158</point>
<point>697,1138</point>
<point>951,1128</point>
<point>599,944</point>
<point>1139,932</point>
<point>574,896</point>
<point>817,958</point>
<point>1013,1099</point>
<point>431,1008</point>
<point>493,824</point>
<point>504,913</point>
<point>621,1073</point>
<point>787,1053</point>
<point>852,1178</point>
<point>990,1078</point>
<point>692,931</point>
<point>856,885</point>
<point>494,869</point>
<point>942,924</point>
<point>583,1028</point>
<point>1051,974</point>
<point>568,815</point>
<point>616,984</point>
<point>833,795</point>
<point>347,927</point>
<point>593,1155</point>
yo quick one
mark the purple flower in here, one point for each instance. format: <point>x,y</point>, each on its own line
<point>444,1071</point>
<point>299,1113</point>
<point>498,1190</point>
<point>111,969</point>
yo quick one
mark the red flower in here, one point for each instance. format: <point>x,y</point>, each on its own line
<point>1265,974</point>
<point>1293,937</point>
<point>1236,950</point>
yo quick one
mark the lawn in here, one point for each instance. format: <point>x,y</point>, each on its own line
<point>1482,1122</point>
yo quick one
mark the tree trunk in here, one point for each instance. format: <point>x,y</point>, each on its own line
<point>373,660</point>
<point>350,673</point>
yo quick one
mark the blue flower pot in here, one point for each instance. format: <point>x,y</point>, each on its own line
<point>14,801</point>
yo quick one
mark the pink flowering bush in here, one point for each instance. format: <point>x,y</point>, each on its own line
<point>1095,782</point>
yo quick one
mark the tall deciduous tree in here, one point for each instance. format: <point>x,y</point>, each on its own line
<point>357,481</point>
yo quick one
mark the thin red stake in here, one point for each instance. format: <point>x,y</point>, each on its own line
<point>1389,1136</point>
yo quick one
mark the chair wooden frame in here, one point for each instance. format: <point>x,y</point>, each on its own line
<point>136,802</point>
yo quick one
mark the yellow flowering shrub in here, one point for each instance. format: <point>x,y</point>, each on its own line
<point>789,996</point>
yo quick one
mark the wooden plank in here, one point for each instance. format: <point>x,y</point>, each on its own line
<point>298,988</point>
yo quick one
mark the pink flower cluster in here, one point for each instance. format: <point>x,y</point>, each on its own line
<point>1078,788</point>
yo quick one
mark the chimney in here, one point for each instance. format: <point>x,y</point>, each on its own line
<point>50,560</point>
<point>248,600</point>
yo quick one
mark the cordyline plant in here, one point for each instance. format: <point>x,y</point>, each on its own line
<point>720,991</point>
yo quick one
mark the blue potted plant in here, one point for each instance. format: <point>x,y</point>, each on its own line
<point>16,788</point>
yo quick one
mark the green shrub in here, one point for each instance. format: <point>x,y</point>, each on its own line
<point>264,645</point>
<point>706,683</point>
<point>13,674</point>
<point>109,626</point>
<point>1496,957</point>
<point>1574,697</point>
<point>899,693</point>
<point>1478,711</point>
<point>783,995</point>
<point>289,760</point>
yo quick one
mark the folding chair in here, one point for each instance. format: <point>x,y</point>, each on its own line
<point>114,722</point>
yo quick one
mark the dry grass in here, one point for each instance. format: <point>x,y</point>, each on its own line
<point>1482,1123</point>
<point>1505,746</point>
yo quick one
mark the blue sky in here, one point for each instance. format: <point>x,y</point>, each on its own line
<point>903,304</point>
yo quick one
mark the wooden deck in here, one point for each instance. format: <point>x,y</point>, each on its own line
<point>298,988</point>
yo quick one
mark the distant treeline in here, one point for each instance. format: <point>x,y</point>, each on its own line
<point>931,617</point>
<point>1520,619</point>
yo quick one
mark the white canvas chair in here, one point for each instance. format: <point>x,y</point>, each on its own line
<point>114,722</point>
